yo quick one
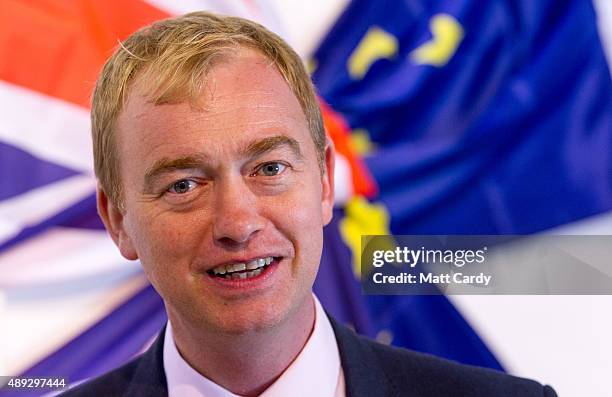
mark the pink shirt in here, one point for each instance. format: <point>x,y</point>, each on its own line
<point>316,371</point>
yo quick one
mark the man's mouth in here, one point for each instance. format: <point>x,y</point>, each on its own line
<point>242,271</point>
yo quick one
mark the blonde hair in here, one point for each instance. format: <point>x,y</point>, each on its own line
<point>173,57</point>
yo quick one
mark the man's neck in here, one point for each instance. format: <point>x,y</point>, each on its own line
<point>246,364</point>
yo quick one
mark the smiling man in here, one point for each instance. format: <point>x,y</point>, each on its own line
<point>215,172</point>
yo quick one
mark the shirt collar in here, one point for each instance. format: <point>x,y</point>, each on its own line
<point>314,372</point>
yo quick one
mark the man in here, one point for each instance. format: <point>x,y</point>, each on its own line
<point>215,172</point>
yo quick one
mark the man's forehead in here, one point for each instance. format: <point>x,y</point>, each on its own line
<point>244,69</point>
<point>233,118</point>
<point>242,96</point>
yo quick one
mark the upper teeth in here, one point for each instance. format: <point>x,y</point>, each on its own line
<point>237,267</point>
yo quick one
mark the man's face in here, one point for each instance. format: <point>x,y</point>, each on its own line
<point>229,182</point>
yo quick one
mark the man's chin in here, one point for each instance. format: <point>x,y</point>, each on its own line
<point>236,318</point>
<point>263,313</point>
<point>245,325</point>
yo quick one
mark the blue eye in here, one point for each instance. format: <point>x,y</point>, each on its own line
<point>183,186</point>
<point>271,169</point>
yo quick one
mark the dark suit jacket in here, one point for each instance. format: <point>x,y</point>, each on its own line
<point>370,370</point>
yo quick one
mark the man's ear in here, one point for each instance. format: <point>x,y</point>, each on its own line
<point>327,203</point>
<point>113,221</point>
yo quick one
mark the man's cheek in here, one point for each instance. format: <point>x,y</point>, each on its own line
<point>304,216</point>
<point>157,249</point>
<point>306,207</point>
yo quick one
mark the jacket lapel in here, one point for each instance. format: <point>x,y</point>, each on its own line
<point>149,377</point>
<point>363,374</point>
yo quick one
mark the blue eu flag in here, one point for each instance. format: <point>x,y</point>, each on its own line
<point>487,117</point>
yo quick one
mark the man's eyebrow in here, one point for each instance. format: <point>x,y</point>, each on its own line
<point>166,164</point>
<point>268,144</point>
<point>254,149</point>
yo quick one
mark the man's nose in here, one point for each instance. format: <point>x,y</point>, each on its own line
<point>236,214</point>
